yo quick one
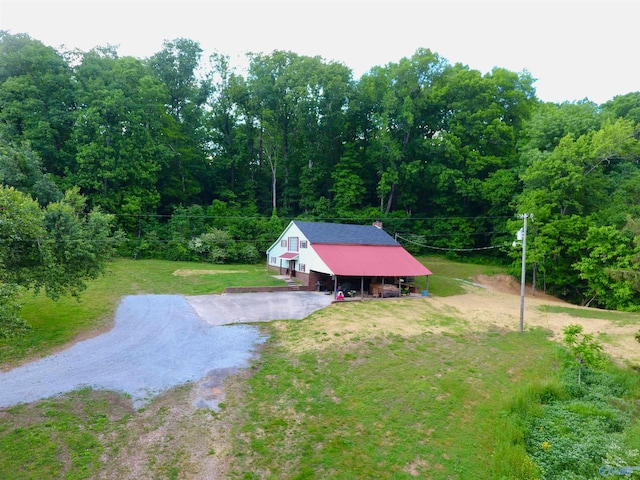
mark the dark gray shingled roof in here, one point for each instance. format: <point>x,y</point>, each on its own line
<point>339,233</point>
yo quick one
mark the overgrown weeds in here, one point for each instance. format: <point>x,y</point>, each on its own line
<point>573,430</point>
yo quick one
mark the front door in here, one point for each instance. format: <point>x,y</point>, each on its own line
<point>292,268</point>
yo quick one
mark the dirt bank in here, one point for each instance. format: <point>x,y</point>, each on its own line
<point>498,303</point>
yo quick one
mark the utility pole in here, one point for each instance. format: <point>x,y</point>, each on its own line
<point>524,264</point>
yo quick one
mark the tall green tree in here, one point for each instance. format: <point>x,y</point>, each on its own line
<point>606,267</point>
<point>567,190</point>
<point>319,130</point>
<point>119,135</point>
<point>37,99</point>
<point>482,118</point>
<point>223,123</point>
<point>624,106</point>
<point>472,163</point>
<point>183,178</point>
<point>300,104</point>
<point>21,168</point>
<point>272,80</point>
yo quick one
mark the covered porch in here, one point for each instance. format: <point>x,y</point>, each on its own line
<point>370,271</point>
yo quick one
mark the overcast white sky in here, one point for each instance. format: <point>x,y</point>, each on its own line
<point>575,49</point>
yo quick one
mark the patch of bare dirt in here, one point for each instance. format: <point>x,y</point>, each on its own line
<point>497,302</point>
<point>170,434</point>
<point>508,284</point>
<point>186,272</point>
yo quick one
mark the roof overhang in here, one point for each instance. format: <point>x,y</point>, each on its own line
<point>290,256</point>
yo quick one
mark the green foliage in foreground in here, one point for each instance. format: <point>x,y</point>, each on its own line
<point>435,406</point>
<point>585,349</point>
<point>55,249</point>
<point>574,430</point>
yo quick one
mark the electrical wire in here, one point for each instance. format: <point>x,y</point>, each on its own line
<point>475,249</point>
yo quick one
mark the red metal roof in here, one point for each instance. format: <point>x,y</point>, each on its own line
<point>289,255</point>
<point>370,260</point>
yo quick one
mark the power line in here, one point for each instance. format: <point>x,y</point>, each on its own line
<point>475,249</point>
<point>286,219</point>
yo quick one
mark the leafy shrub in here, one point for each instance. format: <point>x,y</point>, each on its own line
<point>586,350</point>
<point>248,254</point>
<point>177,251</point>
<point>212,246</point>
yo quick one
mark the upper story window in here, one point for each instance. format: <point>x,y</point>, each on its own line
<point>303,244</point>
<point>283,243</point>
<point>293,244</point>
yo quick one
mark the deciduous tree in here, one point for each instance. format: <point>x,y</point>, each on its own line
<point>56,249</point>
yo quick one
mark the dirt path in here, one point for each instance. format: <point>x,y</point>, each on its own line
<point>497,302</point>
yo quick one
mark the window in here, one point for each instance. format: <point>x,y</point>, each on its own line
<point>303,244</point>
<point>303,267</point>
<point>293,244</point>
<point>274,260</point>
<point>283,243</point>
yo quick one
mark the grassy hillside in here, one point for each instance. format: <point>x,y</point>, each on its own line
<point>357,404</point>
<point>400,388</point>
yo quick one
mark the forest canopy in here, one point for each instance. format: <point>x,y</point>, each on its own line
<point>195,160</point>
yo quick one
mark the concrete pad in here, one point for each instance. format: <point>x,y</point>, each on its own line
<point>232,308</point>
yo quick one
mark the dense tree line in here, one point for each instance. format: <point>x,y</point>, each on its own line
<point>196,160</point>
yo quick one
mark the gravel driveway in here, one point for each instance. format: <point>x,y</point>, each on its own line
<point>158,342</point>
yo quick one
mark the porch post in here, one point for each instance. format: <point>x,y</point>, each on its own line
<point>361,287</point>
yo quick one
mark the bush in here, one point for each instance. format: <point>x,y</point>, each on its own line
<point>212,246</point>
<point>248,254</point>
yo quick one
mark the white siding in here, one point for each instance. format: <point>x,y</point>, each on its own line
<point>314,262</point>
<point>306,256</point>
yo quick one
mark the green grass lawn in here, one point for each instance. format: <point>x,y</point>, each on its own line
<point>448,275</point>
<point>425,406</point>
<point>333,396</point>
<point>619,318</point>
